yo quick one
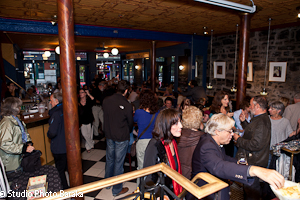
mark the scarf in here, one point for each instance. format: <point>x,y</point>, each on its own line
<point>177,188</point>
<point>24,135</point>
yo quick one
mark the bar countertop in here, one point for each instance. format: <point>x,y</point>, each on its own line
<point>34,119</point>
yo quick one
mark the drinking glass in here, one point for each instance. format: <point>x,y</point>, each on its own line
<point>242,158</point>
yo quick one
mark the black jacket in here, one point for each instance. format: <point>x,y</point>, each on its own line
<point>118,118</point>
<point>56,130</point>
<point>256,140</point>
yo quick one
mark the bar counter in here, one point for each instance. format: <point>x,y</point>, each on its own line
<point>37,127</point>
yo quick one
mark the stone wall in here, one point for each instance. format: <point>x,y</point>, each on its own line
<point>284,47</point>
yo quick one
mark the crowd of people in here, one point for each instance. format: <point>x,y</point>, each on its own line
<point>179,129</point>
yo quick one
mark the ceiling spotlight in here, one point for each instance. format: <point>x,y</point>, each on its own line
<point>54,20</point>
<point>205,32</point>
<point>57,50</point>
<point>298,9</point>
<point>47,53</point>
<point>181,67</point>
<point>114,51</point>
<point>105,55</point>
<point>136,67</point>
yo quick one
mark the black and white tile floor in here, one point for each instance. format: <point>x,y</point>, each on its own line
<point>93,165</point>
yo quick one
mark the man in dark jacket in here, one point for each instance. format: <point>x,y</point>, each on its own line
<point>256,141</point>
<point>196,92</point>
<point>56,133</point>
<point>118,123</point>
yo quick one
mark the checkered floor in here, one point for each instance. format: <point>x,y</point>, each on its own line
<point>93,165</point>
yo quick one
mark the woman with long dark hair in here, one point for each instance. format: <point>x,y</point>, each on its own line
<point>220,104</point>
<point>163,148</point>
<point>86,117</point>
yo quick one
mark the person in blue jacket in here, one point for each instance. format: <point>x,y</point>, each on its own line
<point>56,133</point>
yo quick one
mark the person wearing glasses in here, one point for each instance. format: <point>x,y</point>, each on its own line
<point>209,156</point>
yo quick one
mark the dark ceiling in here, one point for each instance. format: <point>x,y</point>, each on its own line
<point>173,16</point>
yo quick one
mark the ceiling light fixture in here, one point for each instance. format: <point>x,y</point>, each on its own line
<point>181,67</point>
<point>57,50</point>
<point>54,20</point>
<point>209,86</point>
<point>47,53</point>
<point>136,67</point>
<point>233,89</point>
<point>298,9</point>
<point>231,5</point>
<point>205,31</point>
<point>105,55</point>
<point>263,92</point>
<point>114,51</point>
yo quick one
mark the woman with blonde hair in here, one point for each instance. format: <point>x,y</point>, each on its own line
<point>190,135</point>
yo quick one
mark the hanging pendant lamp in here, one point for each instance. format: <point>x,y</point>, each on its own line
<point>264,92</point>
<point>233,89</point>
<point>209,86</point>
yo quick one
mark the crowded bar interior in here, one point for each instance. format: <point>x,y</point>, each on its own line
<point>85,82</point>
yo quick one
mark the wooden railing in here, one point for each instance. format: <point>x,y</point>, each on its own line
<point>214,184</point>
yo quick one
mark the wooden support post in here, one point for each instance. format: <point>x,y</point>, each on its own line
<point>69,90</point>
<point>243,58</point>
<point>153,65</point>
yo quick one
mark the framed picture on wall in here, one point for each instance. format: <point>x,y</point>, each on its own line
<point>277,71</point>
<point>250,71</point>
<point>219,70</point>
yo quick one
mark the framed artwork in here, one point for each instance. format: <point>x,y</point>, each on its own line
<point>277,71</point>
<point>219,70</point>
<point>250,71</point>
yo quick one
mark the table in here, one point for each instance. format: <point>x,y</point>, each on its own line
<point>291,163</point>
<point>54,184</point>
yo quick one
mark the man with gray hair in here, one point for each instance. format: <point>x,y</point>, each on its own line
<point>292,112</point>
<point>256,141</point>
<point>56,133</point>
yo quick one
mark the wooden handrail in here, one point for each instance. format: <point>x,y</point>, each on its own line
<point>214,184</point>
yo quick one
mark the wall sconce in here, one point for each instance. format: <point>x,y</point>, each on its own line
<point>114,51</point>
<point>57,50</point>
<point>181,67</point>
<point>47,53</point>
<point>136,67</point>
<point>105,55</point>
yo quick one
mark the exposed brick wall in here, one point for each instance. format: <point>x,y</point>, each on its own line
<point>284,47</point>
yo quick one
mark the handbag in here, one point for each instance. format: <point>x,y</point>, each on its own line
<point>31,161</point>
<point>133,146</point>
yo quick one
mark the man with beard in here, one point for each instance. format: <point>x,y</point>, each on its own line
<point>256,141</point>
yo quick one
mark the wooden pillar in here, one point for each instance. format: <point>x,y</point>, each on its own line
<point>243,58</point>
<point>69,88</point>
<point>153,65</point>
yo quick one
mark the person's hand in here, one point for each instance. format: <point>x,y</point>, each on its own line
<point>292,134</point>
<point>87,92</point>
<point>29,149</point>
<point>230,114</point>
<point>269,175</point>
<point>242,117</point>
<point>235,136</point>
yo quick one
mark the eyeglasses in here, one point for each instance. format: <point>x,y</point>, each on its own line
<point>229,131</point>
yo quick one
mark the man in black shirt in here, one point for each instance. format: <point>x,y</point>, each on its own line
<point>99,94</point>
<point>118,123</point>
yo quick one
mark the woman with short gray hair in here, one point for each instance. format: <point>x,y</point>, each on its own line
<point>14,138</point>
<point>281,128</point>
